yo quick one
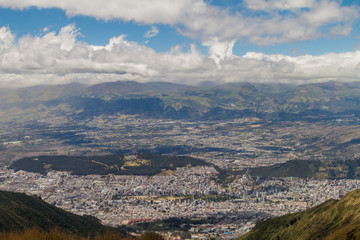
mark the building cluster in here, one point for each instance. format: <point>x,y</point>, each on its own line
<point>190,192</point>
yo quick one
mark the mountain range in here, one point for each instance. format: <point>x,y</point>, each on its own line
<point>177,101</point>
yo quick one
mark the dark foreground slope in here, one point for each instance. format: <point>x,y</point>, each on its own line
<point>19,212</point>
<point>330,220</point>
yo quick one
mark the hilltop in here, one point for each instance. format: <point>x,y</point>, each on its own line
<point>331,220</point>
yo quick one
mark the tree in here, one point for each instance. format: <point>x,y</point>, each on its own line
<point>151,236</point>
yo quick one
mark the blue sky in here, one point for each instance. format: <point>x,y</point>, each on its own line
<point>217,38</point>
<point>33,20</point>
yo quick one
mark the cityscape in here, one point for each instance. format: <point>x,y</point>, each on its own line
<point>179,119</point>
<point>185,193</point>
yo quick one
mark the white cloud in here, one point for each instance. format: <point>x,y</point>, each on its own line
<point>59,58</point>
<point>219,50</point>
<point>152,32</point>
<point>6,39</point>
<point>326,12</point>
<point>56,57</point>
<point>307,19</point>
<point>340,29</point>
<point>271,5</point>
<point>143,11</point>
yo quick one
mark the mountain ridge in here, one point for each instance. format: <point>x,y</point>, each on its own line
<point>177,101</point>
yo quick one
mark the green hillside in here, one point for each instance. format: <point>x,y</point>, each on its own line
<point>349,169</point>
<point>19,212</point>
<point>331,220</point>
<point>142,164</point>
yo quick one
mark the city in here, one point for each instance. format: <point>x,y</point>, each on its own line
<point>179,119</point>
<point>185,193</point>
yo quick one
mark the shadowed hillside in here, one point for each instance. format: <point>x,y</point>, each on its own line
<point>19,212</point>
<point>330,220</point>
<point>348,169</point>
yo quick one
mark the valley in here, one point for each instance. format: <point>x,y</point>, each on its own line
<point>214,161</point>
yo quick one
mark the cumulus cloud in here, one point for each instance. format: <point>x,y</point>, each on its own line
<point>305,19</point>
<point>219,50</point>
<point>6,39</point>
<point>57,57</point>
<point>154,31</point>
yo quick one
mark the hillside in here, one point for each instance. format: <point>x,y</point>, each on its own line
<point>176,101</point>
<point>152,164</point>
<point>330,220</point>
<point>19,212</point>
<point>349,169</point>
<point>143,164</point>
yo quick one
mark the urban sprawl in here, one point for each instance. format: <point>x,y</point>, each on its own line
<point>190,192</point>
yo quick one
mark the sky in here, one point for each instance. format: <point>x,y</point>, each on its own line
<point>182,41</point>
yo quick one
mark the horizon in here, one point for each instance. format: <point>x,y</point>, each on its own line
<point>200,85</point>
<point>188,42</point>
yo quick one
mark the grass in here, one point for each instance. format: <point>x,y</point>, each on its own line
<point>56,234</point>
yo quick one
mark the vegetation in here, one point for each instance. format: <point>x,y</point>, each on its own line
<point>151,164</point>
<point>151,236</point>
<point>56,234</point>
<point>19,212</point>
<point>179,225</point>
<point>211,197</point>
<point>224,177</point>
<point>348,169</point>
<point>142,164</point>
<point>330,220</point>
<point>24,217</point>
